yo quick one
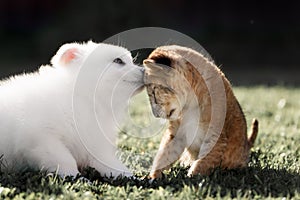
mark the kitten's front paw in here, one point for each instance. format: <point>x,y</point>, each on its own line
<point>155,174</point>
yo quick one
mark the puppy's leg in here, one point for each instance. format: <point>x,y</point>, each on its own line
<point>107,163</point>
<point>53,156</point>
<point>171,147</point>
<point>112,168</point>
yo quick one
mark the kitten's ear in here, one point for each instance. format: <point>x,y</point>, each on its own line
<point>149,64</point>
<point>158,62</point>
<point>66,55</point>
<point>154,67</point>
<point>162,60</point>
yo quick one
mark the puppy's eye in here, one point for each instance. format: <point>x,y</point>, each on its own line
<point>119,61</point>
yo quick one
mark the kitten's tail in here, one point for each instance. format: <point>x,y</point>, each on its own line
<point>254,132</point>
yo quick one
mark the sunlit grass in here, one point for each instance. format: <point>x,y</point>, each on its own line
<point>274,168</point>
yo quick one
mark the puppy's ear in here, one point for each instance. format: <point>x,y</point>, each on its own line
<point>66,55</point>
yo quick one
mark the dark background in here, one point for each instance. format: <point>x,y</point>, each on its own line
<point>254,42</point>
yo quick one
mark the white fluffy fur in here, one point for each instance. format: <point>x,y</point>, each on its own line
<point>37,127</point>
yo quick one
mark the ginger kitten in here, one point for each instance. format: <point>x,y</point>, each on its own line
<point>182,86</point>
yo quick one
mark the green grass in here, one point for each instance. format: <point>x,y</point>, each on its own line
<point>273,172</point>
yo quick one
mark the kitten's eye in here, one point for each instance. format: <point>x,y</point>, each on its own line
<point>119,61</point>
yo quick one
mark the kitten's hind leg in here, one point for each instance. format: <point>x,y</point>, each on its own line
<point>212,160</point>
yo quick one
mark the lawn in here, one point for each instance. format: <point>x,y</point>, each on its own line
<point>273,171</point>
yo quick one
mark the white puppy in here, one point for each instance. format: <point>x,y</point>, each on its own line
<point>65,116</point>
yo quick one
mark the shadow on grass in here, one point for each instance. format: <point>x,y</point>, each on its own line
<point>29,182</point>
<point>249,182</point>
